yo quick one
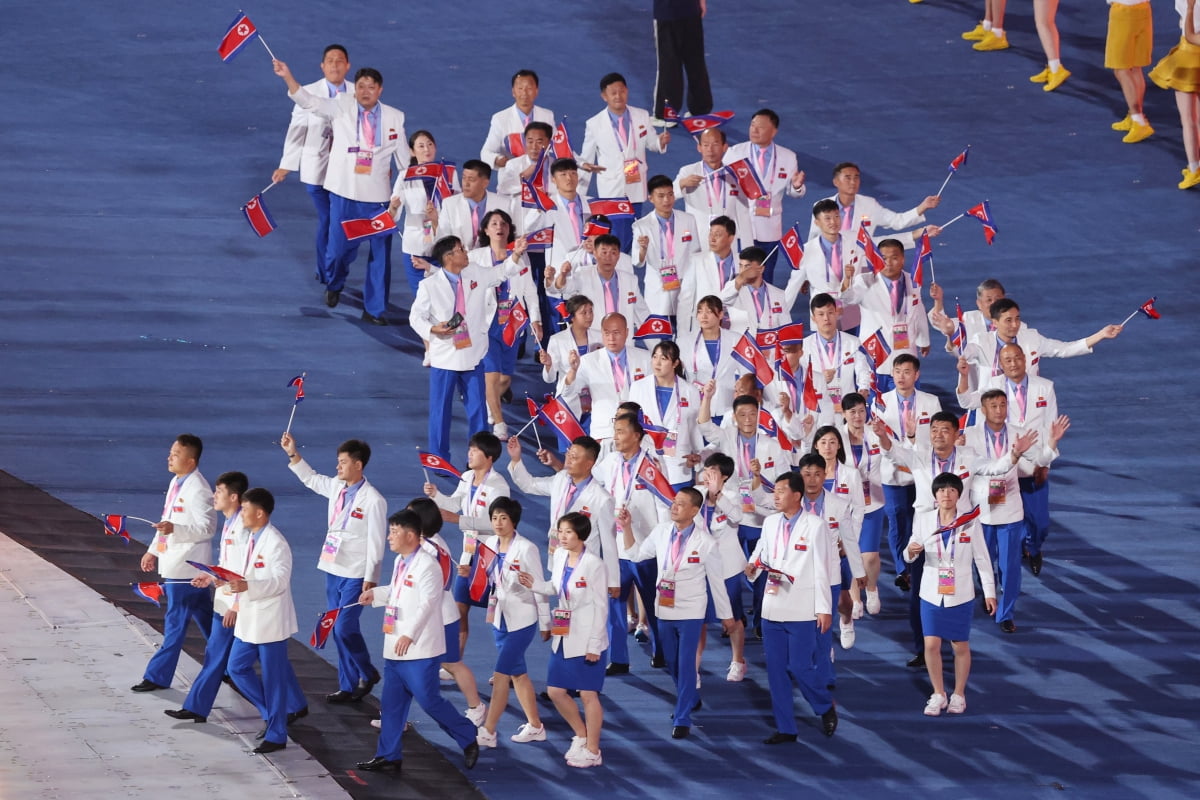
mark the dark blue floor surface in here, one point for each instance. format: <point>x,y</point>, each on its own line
<point>138,304</point>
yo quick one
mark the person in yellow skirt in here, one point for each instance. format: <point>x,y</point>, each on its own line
<point>1126,52</point>
<point>1180,70</point>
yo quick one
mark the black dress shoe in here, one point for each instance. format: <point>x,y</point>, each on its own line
<point>903,582</point>
<point>658,662</point>
<point>262,734</point>
<point>680,732</point>
<point>331,298</point>
<point>829,721</point>
<point>340,696</point>
<point>295,715</point>
<point>184,714</point>
<point>374,320</point>
<point>470,755</point>
<point>1035,564</point>
<point>1008,626</point>
<point>268,747</point>
<point>616,669</point>
<point>147,686</point>
<point>641,636</point>
<point>779,738</point>
<point>365,687</point>
<point>379,764</point>
<point>917,661</point>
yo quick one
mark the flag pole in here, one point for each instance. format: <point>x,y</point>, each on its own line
<point>939,191</point>
<point>148,522</point>
<point>944,225</point>
<point>269,187</point>
<point>264,44</point>
<point>932,277</point>
<point>768,258</point>
<point>1131,316</point>
<point>536,435</point>
<point>291,417</point>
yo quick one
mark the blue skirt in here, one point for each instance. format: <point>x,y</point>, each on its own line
<point>576,673</point>
<point>453,653</point>
<point>872,532</point>
<point>461,589</point>
<point>500,357</point>
<point>512,646</point>
<point>953,623</point>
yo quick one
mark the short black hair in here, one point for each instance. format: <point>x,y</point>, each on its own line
<point>526,73</point>
<point>947,479</point>
<point>745,400</point>
<point>845,165</point>
<point>262,498</point>
<point>896,243</point>
<point>659,182</point>
<point>810,460</point>
<point>429,513</point>
<point>693,495</point>
<point>792,480</point>
<point>725,222</point>
<point>192,442</point>
<point>769,114</point>
<point>589,444</point>
<point>480,168</point>
<point>442,248</point>
<point>357,449</point>
<point>990,394</point>
<point>506,505</point>
<point>821,206</point>
<point>578,522</point>
<point>404,518</point>
<point>329,47</point>
<point>630,418</point>
<point>852,400</point>
<point>543,127</point>
<point>576,302</point>
<point>942,416</point>
<point>1002,305</point>
<point>487,443</point>
<point>234,483</point>
<point>822,300</point>
<point>368,72</point>
<point>722,462</point>
<point>906,358</point>
<point>564,165</point>
<point>755,254</point>
<point>607,239</point>
<point>610,79</point>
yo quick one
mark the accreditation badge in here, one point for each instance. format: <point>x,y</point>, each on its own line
<point>329,550</point>
<point>390,615</point>
<point>363,159</point>
<point>666,593</point>
<point>900,340</point>
<point>670,277</point>
<point>997,491</point>
<point>560,622</point>
<point>633,171</point>
<point>946,580</point>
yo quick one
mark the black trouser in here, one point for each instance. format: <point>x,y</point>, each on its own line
<point>680,46</point>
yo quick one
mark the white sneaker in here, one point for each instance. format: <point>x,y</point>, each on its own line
<point>857,611</point>
<point>477,714</point>
<point>697,680</point>
<point>485,739</point>
<point>528,733</point>
<point>847,635</point>
<point>958,704</point>
<point>425,361</point>
<point>376,723</point>
<point>501,431</point>
<point>444,675</point>
<point>585,758</point>
<point>631,622</point>
<point>737,671</point>
<point>577,743</point>
<point>935,705</point>
<point>872,601</point>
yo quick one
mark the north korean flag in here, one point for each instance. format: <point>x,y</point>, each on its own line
<point>483,569</point>
<point>241,33</point>
<point>562,419</point>
<point>1149,310</point>
<point>748,354</point>
<point>382,224</point>
<point>218,572</point>
<point>983,213</point>
<point>767,340</point>
<point>533,196</point>
<point>877,348</point>
<point>320,634</point>
<point>874,257</point>
<point>656,326</point>
<point>960,520</point>
<point>429,171</point>
<point>768,425</point>
<point>514,143</point>
<point>149,590</point>
<point>792,246</point>
<point>653,479</point>
<point>595,227</point>
<point>534,411</point>
<point>538,240</point>
<point>613,207</point>
<point>787,374</point>
<point>298,382</point>
<point>960,160</point>
<point>561,143</point>
<point>967,420</point>
<point>959,339</point>
<point>669,114</point>
<point>792,333</point>
<point>924,257</point>
<point>747,178</point>
<point>812,400</point>
<point>702,122</point>
<point>114,525</point>
<point>257,215</point>
<point>657,433</point>
<point>438,464</point>
<point>443,558</point>
<point>518,320</point>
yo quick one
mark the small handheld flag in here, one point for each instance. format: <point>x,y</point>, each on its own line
<point>877,349</point>
<point>656,326</point>
<point>967,420</point>
<point>983,213</point>
<point>748,354</point>
<point>562,142</point>
<point>482,570</point>
<point>240,33</point>
<point>1146,308</point>
<point>698,124</point>
<point>812,400</point>
<point>653,479</point>
<point>747,178</point>
<point>218,572</point>
<point>438,464</point>
<point>793,247</point>
<point>594,227</point>
<point>379,225</point>
<point>255,212</point>
<point>615,208</point>
<point>959,340</point>
<point>298,382</point>
<point>537,241</point>
<point>657,433</point>
<point>514,143</point>
<point>864,240</point>
<point>429,171</point>
<point>960,520</point>
<point>325,623</point>
<point>536,197</point>
<point>150,590</point>
<point>924,257</point>
<point>562,419</point>
<point>534,417</point>
<point>114,525</point>
<point>518,321</point>
<point>959,161</point>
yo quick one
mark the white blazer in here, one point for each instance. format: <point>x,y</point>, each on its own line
<point>982,351</point>
<point>1041,402</point>
<point>340,178</point>
<point>686,238</point>
<point>559,348</point>
<point>586,281</point>
<point>265,610</point>
<point>997,491</point>
<point>434,305</point>
<point>815,270</point>
<point>804,558</point>
<point>701,279</point>
<point>232,556</point>
<point>772,460</point>
<point>969,546</point>
<point>775,312</point>
<point>601,147</point>
<point>565,240</point>
<point>880,217</point>
<point>433,545</point>
<point>925,405</point>
<point>517,606</point>
<point>679,419</point>
<point>415,197</point>
<point>693,353</point>
<point>875,302</point>
<point>714,198</point>
<point>722,519</point>
<point>364,534</point>
<point>309,136</point>
<point>868,462</point>
<point>696,575</point>
<point>595,374</point>
<point>503,123</point>
<point>473,517</point>
<point>520,280</point>
<point>844,523</point>
<point>779,182</point>
<point>853,371</point>
<point>586,597</point>
<point>644,508</point>
<point>455,217</point>
<point>192,514</point>
<point>594,502</point>
<point>417,600</point>
<point>920,463</point>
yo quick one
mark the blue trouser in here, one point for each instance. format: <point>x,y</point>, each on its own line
<point>354,661</point>
<point>411,273</point>
<point>771,249</point>
<point>622,228</point>
<point>444,386</point>
<point>216,656</point>
<point>825,643</point>
<point>915,570</point>
<point>320,200</point>
<point>340,253</point>
<point>403,682</point>
<point>898,508</point>
<point>681,639</point>
<point>618,633</point>
<point>184,602</point>
<point>270,693</point>
<point>1037,513</point>
<point>1004,546</point>
<point>790,650</point>
<point>748,537</point>
<point>537,266</point>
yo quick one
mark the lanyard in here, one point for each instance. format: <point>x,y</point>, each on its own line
<point>678,541</point>
<point>938,534</point>
<point>398,573</point>
<point>347,501</point>
<point>473,489</point>
<point>935,463</point>
<point>782,538</point>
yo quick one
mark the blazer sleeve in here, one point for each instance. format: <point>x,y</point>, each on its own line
<point>598,635</point>
<point>427,583</point>
<point>201,518</point>
<point>279,572</point>
<point>293,140</point>
<point>321,484</point>
<point>376,519</point>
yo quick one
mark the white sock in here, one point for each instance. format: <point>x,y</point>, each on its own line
<point>1140,119</point>
<point>1055,65</point>
<point>1194,166</point>
<point>998,33</point>
<point>987,26</point>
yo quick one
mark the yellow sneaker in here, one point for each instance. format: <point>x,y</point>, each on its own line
<point>1192,178</point>
<point>1124,124</point>
<point>1041,77</point>
<point>976,34</point>
<point>1056,79</point>
<point>914,2</point>
<point>1137,132</point>
<point>991,41</point>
